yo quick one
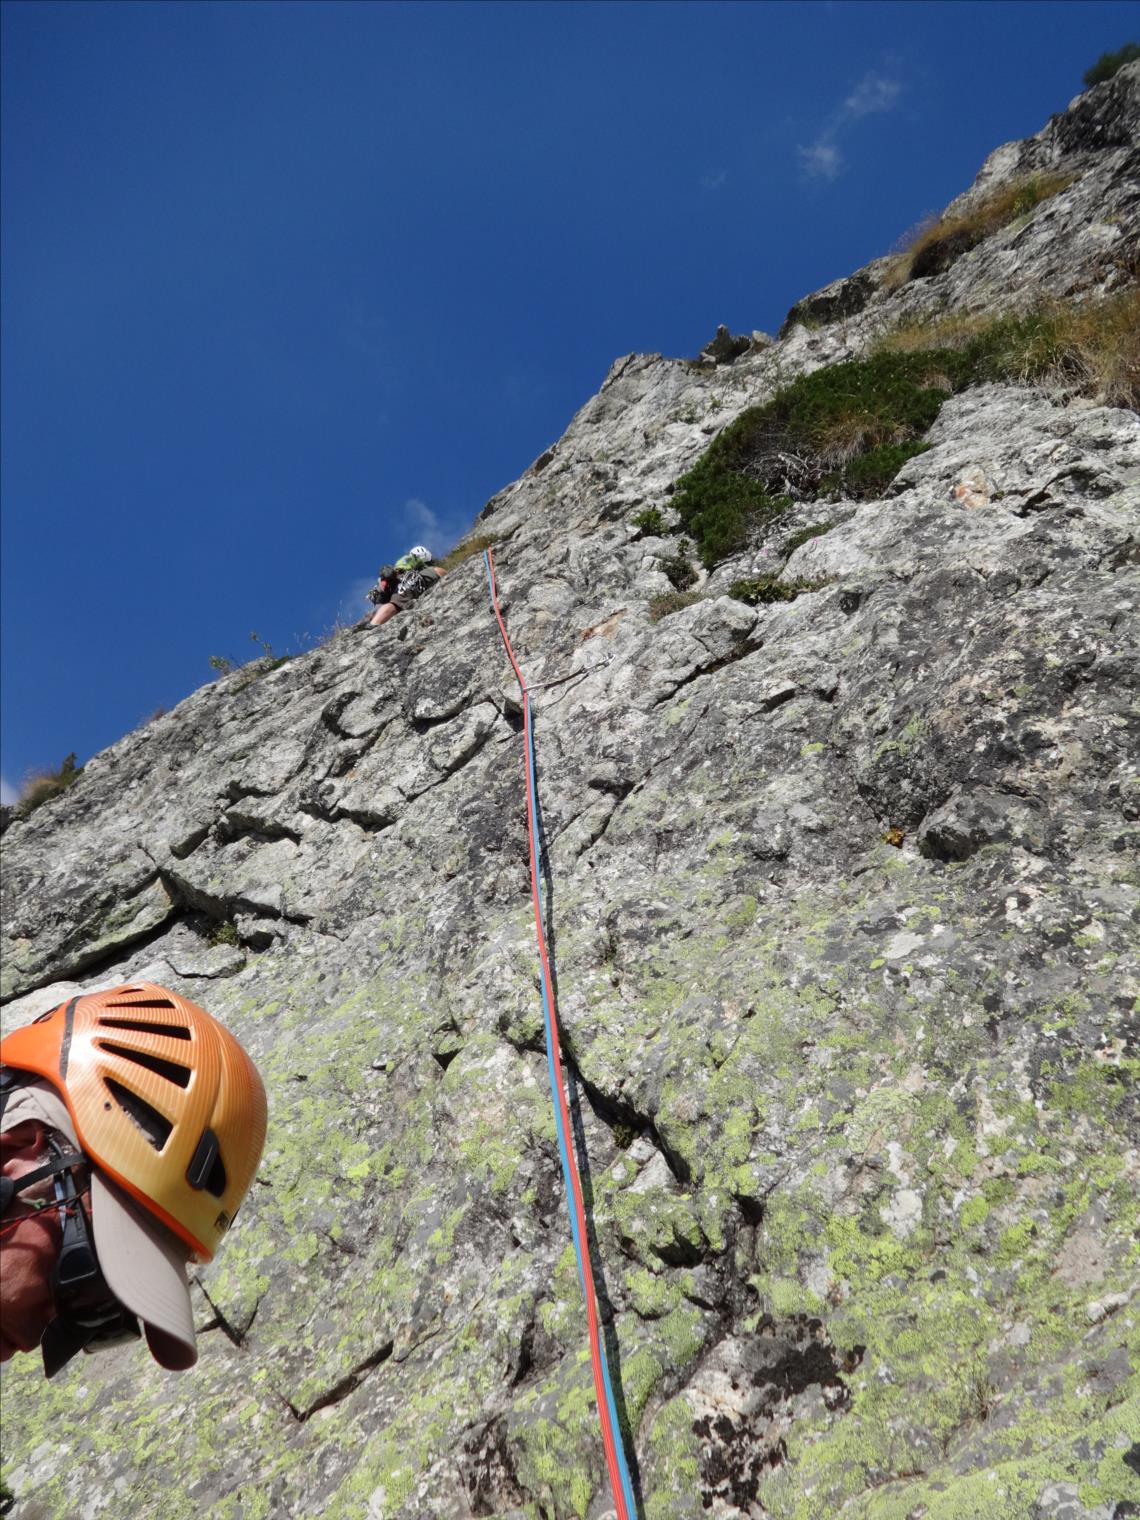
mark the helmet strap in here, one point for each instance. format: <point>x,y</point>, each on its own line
<point>88,1315</point>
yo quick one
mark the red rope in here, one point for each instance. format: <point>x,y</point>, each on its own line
<point>619,1479</point>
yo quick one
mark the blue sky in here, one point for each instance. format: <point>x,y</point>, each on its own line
<point>287,287</point>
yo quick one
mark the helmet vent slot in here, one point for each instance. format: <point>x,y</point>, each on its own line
<point>146,1003</point>
<point>154,1126</point>
<point>206,1169</point>
<point>171,1070</point>
<point>140,1026</point>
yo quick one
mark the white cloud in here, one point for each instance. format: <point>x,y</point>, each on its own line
<point>422,519</point>
<point>8,793</point>
<point>424,525</point>
<point>873,95</point>
<point>714,179</point>
<point>821,161</point>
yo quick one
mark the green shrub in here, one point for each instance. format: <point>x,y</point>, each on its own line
<point>808,439</point>
<point>670,601</point>
<point>679,568</point>
<point>650,523</point>
<point>223,933</point>
<point>766,589</point>
<point>48,784</point>
<point>721,507</point>
<point>1108,63</point>
<point>848,429</point>
<point>871,473</point>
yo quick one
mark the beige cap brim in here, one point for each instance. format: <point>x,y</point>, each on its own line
<point>145,1268</point>
<point>143,1263</point>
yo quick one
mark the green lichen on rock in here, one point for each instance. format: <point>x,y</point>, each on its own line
<point>842,902</point>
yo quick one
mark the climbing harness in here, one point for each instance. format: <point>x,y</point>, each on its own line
<point>603,1389</point>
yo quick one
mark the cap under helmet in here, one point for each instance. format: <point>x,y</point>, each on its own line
<point>164,1100</point>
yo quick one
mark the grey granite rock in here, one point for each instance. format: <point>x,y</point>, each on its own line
<point>844,899</point>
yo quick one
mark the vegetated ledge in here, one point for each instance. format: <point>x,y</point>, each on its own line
<point>847,429</point>
<point>931,249</point>
<point>940,243</point>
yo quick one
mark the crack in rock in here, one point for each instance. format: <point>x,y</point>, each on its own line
<point>235,1334</point>
<point>741,652</point>
<point>347,1384</point>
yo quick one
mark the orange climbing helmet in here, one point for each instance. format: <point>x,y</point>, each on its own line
<point>164,1101</point>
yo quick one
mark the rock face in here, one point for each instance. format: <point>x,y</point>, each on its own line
<point>845,899</point>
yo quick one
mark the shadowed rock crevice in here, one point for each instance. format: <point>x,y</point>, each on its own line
<point>258,914</point>
<point>236,826</point>
<point>626,1122</point>
<point>740,651</point>
<point>102,959</point>
<point>341,1390</point>
<point>747,1394</point>
<point>487,1471</point>
<point>234,1332</point>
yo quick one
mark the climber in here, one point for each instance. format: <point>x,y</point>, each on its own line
<point>401,584</point>
<point>131,1125</point>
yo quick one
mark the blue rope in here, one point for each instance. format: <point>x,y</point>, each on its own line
<point>548,1015</point>
<point>564,1139</point>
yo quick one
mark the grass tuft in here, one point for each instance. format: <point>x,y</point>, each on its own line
<point>465,549</point>
<point>940,243</point>
<point>669,602</point>
<point>805,535</point>
<point>47,785</point>
<point>1092,347</point>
